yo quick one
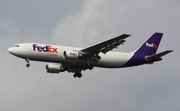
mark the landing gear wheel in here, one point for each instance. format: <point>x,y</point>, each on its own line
<point>75,75</point>
<point>27,65</point>
<point>79,75</point>
<point>90,67</point>
<point>27,60</point>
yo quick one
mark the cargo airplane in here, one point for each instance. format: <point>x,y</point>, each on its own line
<point>76,60</point>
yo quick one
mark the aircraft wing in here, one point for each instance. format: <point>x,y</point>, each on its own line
<point>91,53</point>
<point>105,46</point>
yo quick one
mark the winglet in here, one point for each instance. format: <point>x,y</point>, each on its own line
<point>156,56</point>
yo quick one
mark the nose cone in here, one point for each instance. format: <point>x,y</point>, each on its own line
<point>17,51</point>
<point>12,50</point>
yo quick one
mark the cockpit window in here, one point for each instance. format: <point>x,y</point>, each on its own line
<point>16,45</point>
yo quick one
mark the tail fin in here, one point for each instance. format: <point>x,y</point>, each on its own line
<point>151,45</point>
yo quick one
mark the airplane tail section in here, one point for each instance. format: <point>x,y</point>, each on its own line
<point>151,45</point>
<point>156,56</point>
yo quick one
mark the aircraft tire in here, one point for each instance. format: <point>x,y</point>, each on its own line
<point>79,75</point>
<point>91,67</point>
<point>27,65</point>
<point>75,75</point>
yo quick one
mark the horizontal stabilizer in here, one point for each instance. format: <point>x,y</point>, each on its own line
<point>156,56</point>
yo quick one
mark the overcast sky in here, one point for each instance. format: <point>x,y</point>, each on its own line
<point>82,23</point>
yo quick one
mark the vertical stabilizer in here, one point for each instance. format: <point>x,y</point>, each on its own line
<point>151,45</point>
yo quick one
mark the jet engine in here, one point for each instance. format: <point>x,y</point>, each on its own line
<point>71,55</point>
<point>54,68</point>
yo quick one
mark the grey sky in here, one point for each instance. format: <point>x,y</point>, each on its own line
<point>82,23</point>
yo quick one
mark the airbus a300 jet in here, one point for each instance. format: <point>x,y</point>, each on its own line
<point>76,60</point>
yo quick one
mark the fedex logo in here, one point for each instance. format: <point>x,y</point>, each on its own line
<point>46,48</point>
<point>153,45</point>
<point>74,54</point>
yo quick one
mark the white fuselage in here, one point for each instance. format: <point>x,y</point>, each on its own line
<point>54,53</point>
<point>75,60</point>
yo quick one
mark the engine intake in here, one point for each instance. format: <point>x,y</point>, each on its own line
<point>71,55</point>
<point>54,68</point>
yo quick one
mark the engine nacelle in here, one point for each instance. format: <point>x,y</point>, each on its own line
<point>71,55</point>
<point>54,68</point>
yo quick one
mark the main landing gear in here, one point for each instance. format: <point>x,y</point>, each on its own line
<point>27,60</point>
<point>79,75</point>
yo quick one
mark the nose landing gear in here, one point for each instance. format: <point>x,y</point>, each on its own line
<point>27,60</point>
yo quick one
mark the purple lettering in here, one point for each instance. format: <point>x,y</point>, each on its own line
<point>45,48</point>
<point>34,46</point>
<point>39,48</point>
